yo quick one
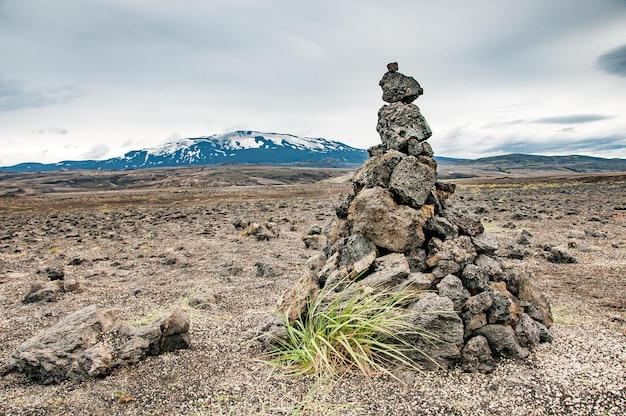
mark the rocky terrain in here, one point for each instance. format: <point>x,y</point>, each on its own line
<point>146,252</point>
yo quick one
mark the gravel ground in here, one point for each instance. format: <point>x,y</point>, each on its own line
<point>145,253</point>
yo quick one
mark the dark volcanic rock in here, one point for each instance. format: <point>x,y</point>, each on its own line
<point>411,182</point>
<point>399,87</point>
<point>476,355</point>
<point>92,342</point>
<point>559,255</point>
<point>398,123</point>
<point>436,315</point>
<point>502,341</point>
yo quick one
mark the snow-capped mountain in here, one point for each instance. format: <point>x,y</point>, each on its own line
<point>250,147</point>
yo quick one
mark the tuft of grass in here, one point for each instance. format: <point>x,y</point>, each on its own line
<point>365,332</point>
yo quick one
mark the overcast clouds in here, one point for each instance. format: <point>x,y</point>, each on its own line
<point>94,79</point>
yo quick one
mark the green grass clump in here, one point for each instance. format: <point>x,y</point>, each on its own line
<point>365,332</point>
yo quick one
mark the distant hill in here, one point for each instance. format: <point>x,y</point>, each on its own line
<point>239,147</point>
<point>521,164</point>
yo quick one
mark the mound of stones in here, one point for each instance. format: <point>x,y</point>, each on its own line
<point>394,231</point>
<point>92,342</point>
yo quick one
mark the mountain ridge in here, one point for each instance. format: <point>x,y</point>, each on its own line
<point>238,147</point>
<point>249,147</point>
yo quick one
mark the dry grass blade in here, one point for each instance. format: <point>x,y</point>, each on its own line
<point>363,333</point>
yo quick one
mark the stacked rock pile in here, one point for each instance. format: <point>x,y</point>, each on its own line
<point>395,231</point>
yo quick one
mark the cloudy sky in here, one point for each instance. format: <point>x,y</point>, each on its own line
<point>93,79</point>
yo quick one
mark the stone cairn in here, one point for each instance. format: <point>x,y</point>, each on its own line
<point>394,231</point>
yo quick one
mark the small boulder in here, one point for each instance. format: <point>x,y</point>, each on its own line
<point>452,288</point>
<point>527,332</point>
<point>394,227</point>
<point>399,87</point>
<point>411,182</point>
<point>502,341</point>
<point>435,314</point>
<point>561,256</point>
<point>398,123</point>
<point>42,291</point>
<point>92,342</point>
<point>476,356</point>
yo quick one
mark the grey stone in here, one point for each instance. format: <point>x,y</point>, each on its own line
<point>416,281</point>
<point>466,222</point>
<point>202,301</point>
<point>491,267</point>
<point>312,242</point>
<point>417,148</point>
<point>42,291</point>
<point>294,302</point>
<point>398,123</point>
<point>411,182</point>
<point>475,278</point>
<point>264,270</point>
<point>499,311</point>
<point>417,259</point>
<point>444,268</point>
<point>476,356</point>
<point>377,171</point>
<point>460,250</point>
<point>544,333</point>
<point>473,321</point>
<point>485,243</point>
<point>444,190</point>
<point>315,230</point>
<point>561,256</point>
<point>442,228</point>
<point>529,292</point>
<point>54,273</point>
<point>436,315</point>
<point>341,210</point>
<point>374,214</point>
<point>502,341</point>
<point>527,332</point>
<point>357,255</point>
<point>479,303</point>
<point>452,288</point>
<point>92,342</point>
<point>399,87</point>
<point>390,270</point>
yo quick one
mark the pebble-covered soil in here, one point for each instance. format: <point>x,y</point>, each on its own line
<point>145,252</point>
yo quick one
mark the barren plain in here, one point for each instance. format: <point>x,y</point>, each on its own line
<point>147,249</point>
